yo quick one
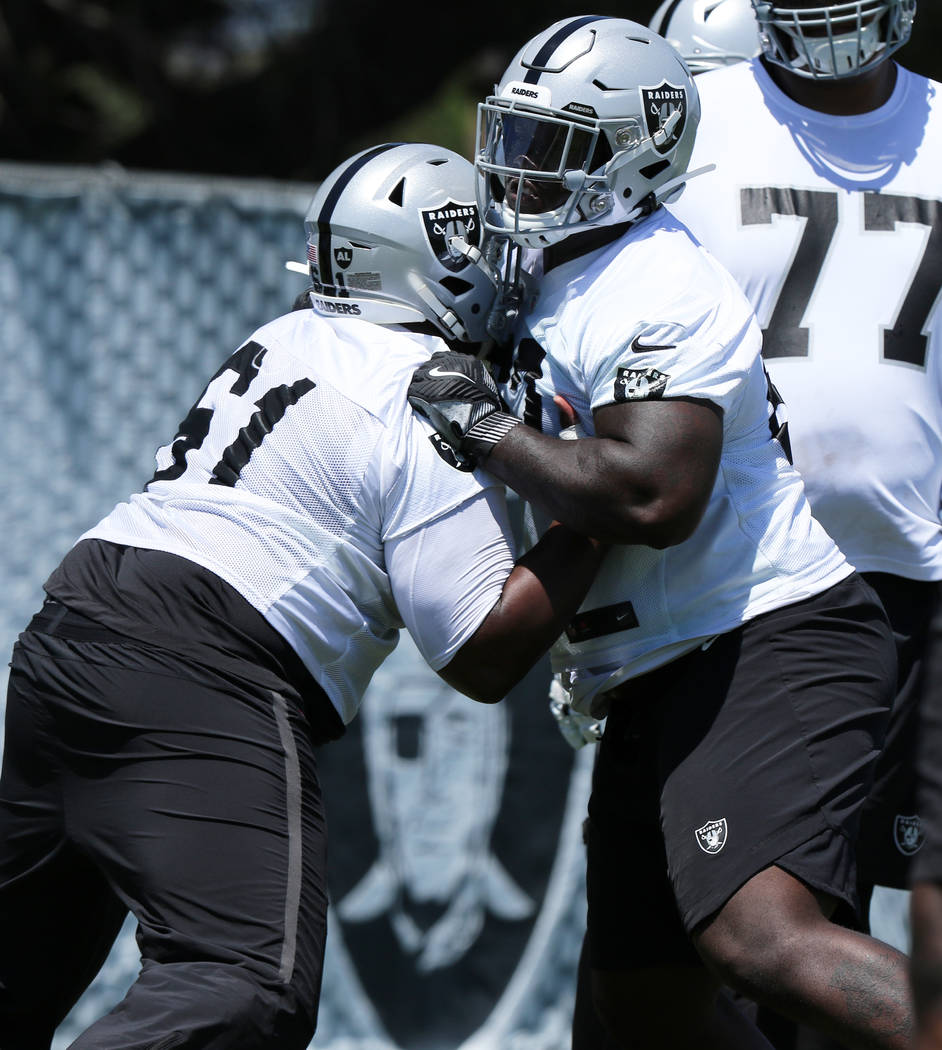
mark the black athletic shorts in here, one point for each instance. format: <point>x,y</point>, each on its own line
<point>891,826</point>
<point>135,778</point>
<point>927,864</point>
<point>757,749</point>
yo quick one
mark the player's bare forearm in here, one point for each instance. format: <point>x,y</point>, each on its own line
<point>645,479</point>
<point>573,482</point>
<point>541,595</point>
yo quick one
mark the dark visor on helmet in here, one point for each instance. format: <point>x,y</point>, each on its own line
<point>530,154</point>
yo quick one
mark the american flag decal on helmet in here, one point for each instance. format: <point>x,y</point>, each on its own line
<point>312,254</point>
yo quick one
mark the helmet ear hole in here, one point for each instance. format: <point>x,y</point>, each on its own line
<point>456,285</point>
<point>651,171</point>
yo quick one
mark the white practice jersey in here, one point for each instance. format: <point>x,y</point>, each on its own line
<point>303,478</point>
<point>833,228</point>
<point>654,316</point>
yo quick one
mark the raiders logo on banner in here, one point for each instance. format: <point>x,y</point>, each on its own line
<point>665,112</point>
<point>450,220</point>
<point>456,865</point>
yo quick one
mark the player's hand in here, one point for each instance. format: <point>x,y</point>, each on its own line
<point>458,396</point>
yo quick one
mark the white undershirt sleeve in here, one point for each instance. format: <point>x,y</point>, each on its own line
<point>448,575</point>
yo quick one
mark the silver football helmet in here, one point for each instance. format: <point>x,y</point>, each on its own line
<point>593,123</point>
<point>830,41</point>
<point>708,33</point>
<point>393,237</point>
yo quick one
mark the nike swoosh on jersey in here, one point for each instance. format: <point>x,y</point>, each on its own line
<point>638,347</point>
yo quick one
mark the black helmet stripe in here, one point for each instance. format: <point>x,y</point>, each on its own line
<point>665,20</point>
<point>538,66</point>
<point>325,265</point>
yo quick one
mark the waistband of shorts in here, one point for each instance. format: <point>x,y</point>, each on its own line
<point>58,620</point>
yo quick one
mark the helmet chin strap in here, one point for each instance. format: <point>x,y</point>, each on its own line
<point>666,189</point>
<point>664,132</point>
<point>514,287</point>
<point>644,206</point>
<point>445,316</point>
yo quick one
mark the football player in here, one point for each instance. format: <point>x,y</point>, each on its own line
<point>825,207</point>
<point>199,641</point>
<point>745,669</point>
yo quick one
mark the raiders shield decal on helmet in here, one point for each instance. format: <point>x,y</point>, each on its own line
<point>665,112</point>
<point>448,221</point>
<point>711,838</point>
<point>908,834</point>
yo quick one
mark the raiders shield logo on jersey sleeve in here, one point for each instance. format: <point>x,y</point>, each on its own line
<point>640,384</point>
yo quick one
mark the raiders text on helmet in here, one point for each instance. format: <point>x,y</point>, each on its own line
<point>393,237</point>
<point>708,33</point>
<point>593,123</point>
<point>833,40</point>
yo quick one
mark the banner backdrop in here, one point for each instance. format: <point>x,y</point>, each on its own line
<point>457,867</point>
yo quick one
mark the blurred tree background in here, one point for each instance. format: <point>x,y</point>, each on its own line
<point>283,89</point>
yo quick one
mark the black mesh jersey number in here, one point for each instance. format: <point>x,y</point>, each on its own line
<point>785,336</point>
<point>778,420</point>
<point>272,406</point>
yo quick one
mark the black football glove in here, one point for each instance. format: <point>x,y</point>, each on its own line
<point>458,396</point>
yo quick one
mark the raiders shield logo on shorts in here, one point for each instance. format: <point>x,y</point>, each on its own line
<point>908,834</point>
<point>452,219</point>
<point>711,838</point>
<point>665,111</point>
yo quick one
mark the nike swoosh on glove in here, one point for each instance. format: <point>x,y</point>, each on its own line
<point>458,396</point>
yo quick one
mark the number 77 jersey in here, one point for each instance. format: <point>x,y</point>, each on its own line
<point>833,228</point>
